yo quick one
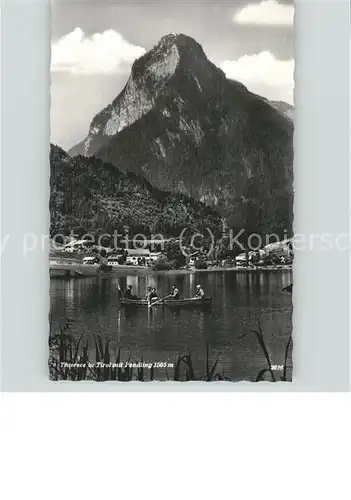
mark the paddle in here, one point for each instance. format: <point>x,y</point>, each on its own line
<point>159,300</point>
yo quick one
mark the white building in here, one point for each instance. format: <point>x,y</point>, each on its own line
<point>137,255</point>
<point>75,245</point>
<point>91,260</point>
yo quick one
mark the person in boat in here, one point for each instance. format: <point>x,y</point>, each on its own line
<point>175,295</point>
<point>200,294</point>
<point>148,295</point>
<point>153,295</point>
<point>128,294</point>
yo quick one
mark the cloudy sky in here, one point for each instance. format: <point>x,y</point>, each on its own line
<point>95,42</point>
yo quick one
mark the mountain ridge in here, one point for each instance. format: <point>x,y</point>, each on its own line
<point>154,69</point>
<point>181,124</point>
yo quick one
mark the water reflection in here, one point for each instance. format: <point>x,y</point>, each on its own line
<point>160,333</point>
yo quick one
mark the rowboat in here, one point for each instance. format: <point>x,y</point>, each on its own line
<point>168,302</point>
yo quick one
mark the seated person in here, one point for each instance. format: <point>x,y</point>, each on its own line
<point>128,293</point>
<point>175,293</point>
<point>151,294</point>
<point>200,294</point>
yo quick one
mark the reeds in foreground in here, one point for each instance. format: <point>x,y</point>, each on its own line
<point>72,358</point>
<point>260,337</point>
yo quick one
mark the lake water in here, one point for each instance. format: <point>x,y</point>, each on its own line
<point>159,334</point>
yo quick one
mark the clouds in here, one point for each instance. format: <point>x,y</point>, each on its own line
<point>264,74</point>
<point>91,64</point>
<point>268,12</point>
<point>100,53</point>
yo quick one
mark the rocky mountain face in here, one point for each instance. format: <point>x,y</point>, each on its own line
<point>90,196</point>
<point>284,108</point>
<point>186,128</point>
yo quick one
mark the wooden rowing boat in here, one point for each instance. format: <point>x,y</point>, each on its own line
<point>169,302</point>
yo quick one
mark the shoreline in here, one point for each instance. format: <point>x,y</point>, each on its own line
<point>61,270</point>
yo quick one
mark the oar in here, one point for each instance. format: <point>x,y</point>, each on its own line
<point>159,300</point>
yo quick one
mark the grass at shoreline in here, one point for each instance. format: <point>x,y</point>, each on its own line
<point>72,358</point>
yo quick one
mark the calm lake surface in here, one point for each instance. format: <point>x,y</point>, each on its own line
<point>159,334</point>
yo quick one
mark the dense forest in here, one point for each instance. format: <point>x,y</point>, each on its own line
<point>90,196</point>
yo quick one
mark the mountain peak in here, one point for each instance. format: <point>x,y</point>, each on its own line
<point>186,128</point>
<point>175,57</point>
<point>181,41</point>
<point>165,57</point>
